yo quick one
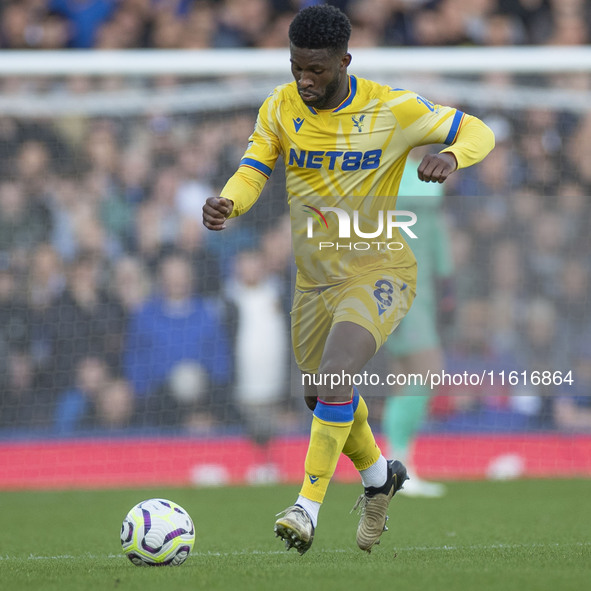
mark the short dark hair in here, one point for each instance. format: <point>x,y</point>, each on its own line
<point>320,27</point>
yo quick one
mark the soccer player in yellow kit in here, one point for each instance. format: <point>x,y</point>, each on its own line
<point>344,141</point>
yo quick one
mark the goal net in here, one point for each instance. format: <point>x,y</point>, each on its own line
<point>137,348</point>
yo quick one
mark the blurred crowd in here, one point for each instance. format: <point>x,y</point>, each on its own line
<point>119,311</point>
<point>190,24</point>
<point>115,303</point>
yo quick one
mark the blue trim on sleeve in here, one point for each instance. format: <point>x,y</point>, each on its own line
<point>257,165</point>
<point>455,124</point>
<point>334,413</point>
<point>352,93</point>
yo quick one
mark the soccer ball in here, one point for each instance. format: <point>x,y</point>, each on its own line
<point>157,532</point>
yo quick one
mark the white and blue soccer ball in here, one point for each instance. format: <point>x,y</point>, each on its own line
<point>157,532</point>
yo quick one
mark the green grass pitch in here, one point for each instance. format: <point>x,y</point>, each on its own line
<point>523,535</point>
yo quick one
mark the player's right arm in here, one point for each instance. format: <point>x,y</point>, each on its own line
<point>245,186</point>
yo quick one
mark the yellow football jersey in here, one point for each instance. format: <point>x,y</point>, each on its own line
<point>343,169</point>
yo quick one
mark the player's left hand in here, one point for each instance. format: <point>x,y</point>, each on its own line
<point>435,168</point>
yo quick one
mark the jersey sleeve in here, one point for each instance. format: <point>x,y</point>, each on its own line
<point>257,164</point>
<point>423,122</point>
<point>243,189</point>
<point>263,145</point>
<point>473,141</point>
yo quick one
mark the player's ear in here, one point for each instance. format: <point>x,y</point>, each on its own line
<point>345,61</point>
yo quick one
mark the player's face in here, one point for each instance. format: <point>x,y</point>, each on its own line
<point>321,76</point>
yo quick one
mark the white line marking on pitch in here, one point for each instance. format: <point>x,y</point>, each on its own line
<point>327,551</point>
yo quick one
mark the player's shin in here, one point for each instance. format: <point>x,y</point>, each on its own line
<point>330,430</point>
<point>361,447</point>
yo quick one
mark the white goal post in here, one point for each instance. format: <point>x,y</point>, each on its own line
<point>455,60</point>
<point>242,78</point>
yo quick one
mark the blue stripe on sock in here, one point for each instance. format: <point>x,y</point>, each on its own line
<point>334,413</point>
<point>355,399</point>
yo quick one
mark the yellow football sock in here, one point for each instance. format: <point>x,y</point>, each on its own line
<point>361,447</point>
<point>331,425</point>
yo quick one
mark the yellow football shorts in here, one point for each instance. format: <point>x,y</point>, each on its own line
<point>378,301</point>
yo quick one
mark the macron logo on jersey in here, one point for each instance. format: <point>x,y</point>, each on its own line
<point>297,123</point>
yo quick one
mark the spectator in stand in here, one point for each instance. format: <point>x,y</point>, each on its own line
<point>158,221</point>
<point>534,15</point>
<point>374,19</point>
<point>507,294</point>
<point>115,405</point>
<point>29,24</point>
<point>543,347</point>
<point>540,148</point>
<point>14,315</point>
<point>21,406</point>
<point>96,401</point>
<point>573,303</point>
<point>577,145</point>
<point>134,176</point>
<point>200,25</point>
<point>126,29</point>
<point>83,322</point>
<point>575,208</point>
<point>487,405</point>
<point>167,31</point>
<point>242,24</point>
<point>46,280</point>
<point>276,248</point>
<point>178,329</point>
<point>206,266</point>
<point>499,30</point>
<point>544,253</point>
<point>524,206</point>
<point>75,407</point>
<point>91,235</point>
<point>23,223</point>
<point>569,22</point>
<point>114,24</point>
<point>130,284</point>
<point>14,26</point>
<point>193,162</point>
<point>85,16</point>
<point>572,408</point>
<point>262,346</point>
<point>425,29</point>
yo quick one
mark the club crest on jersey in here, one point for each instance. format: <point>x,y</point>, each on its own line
<point>358,122</point>
<point>297,123</point>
